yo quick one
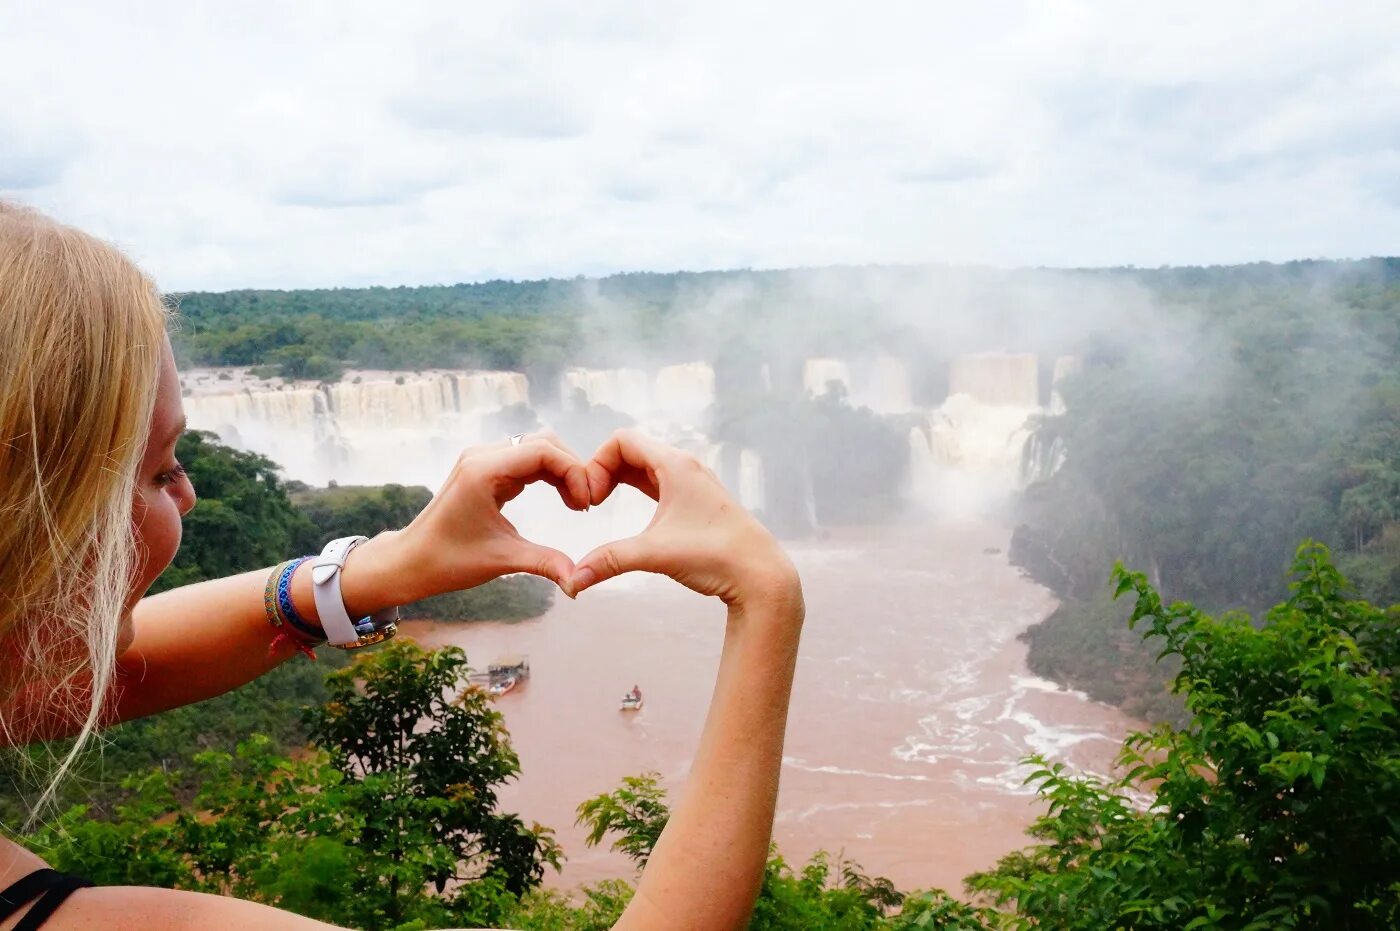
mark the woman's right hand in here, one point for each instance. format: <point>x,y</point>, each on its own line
<point>699,535</point>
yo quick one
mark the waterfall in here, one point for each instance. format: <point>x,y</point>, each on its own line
<point>1042,457</point>
<point>627,390</point>
<point>998,378</point>
<point>741,471</point>
<point>291,426</point>
<point>688,388</point>
<point>972,451</point>
<point>818,373</point>
<point>372,429</point>
<point>490,391</point>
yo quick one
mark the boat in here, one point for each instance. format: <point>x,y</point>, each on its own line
<point>505,673</point>
<point>632,701</point>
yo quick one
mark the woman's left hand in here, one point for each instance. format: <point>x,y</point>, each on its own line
<point>461,539</point>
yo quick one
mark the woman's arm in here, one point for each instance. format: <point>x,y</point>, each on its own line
<point>202,640</point>
<point>707,867</point>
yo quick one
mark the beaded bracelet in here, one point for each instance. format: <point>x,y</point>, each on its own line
<point>284,600</point>
<point>277,603</point>
<point>274,617</point>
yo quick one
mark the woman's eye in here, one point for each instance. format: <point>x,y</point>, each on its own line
<point>171,477</point>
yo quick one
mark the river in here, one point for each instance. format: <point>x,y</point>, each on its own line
<point>911,712</point>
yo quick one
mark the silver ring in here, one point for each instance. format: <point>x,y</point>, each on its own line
<point>515,440</point>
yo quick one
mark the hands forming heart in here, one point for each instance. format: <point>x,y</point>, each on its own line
<point>698,536</point>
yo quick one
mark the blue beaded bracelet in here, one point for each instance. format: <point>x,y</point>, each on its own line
<point>284,601</point>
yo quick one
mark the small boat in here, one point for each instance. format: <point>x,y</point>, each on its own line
<point>632,701</point>
<point>506,673</point>
<point>499,687</point>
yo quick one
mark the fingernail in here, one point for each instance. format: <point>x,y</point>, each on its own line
<point>582,579</point>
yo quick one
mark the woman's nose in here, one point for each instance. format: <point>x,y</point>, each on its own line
<point>187,496</point>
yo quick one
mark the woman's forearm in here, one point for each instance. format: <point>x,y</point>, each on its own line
<point>708,864</point>
<point>202,640</point>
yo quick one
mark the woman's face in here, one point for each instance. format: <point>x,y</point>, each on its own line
<point>163,492</point>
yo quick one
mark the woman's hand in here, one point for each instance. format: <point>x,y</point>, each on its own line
<point>699,536</point>
<point>461,539</point>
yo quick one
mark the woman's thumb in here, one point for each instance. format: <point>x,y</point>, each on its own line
<point>542,561</point>
<point>631,554</point>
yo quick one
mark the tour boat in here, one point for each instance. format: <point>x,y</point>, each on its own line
<point>505,673</point>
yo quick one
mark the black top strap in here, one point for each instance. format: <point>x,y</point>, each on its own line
<point>52,888</point>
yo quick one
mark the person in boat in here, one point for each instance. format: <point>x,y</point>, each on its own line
<point>93,499</point>
<point>636,693</point>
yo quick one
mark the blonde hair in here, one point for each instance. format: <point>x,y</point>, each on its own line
<point>83,333</point>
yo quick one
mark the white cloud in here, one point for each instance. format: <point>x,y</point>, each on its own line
<point>346,143</point>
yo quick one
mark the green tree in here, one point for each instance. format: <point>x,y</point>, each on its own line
<point>636,811</point>
<point>1276,806</point>
<point>395,820</point>
<point>373,728</point>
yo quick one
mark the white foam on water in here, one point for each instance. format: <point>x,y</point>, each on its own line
<point>1037,684</point>
<point>825,807</point>
<point>802,765</point>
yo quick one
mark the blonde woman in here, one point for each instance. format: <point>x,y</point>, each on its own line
<point>92,500</point>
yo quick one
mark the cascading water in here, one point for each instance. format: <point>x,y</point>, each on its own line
<point>685,389</point>
<point>373,428</point>
<point>291,426</point>
<point>971,451</point>
<point>741,471</point>
<point>1010,379</point>
<point>626,390</point>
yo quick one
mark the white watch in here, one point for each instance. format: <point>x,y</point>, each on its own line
<point>340,630</point>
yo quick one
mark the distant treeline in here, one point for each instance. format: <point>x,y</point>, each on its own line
<point>537,325</point>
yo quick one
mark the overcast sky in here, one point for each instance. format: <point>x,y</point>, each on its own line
<point>315,144</point>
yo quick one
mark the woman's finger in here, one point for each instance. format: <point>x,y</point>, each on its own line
<point>629,457</point>
<point>544,561</point>
<point>546,436</point>
<point>630,554</point>
<point>540,460</point>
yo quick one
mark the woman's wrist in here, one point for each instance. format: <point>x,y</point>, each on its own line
<point>771,585</point>
<point>379,574</point>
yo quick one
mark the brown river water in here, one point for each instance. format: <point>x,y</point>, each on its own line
<point>911,712</point>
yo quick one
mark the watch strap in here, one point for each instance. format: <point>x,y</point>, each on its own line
<point>325,586</point>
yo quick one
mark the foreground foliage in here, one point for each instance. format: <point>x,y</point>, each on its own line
<point>404,814</point>
<point>1276,805</point>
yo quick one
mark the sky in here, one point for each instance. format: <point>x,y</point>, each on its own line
<point>322,144</point>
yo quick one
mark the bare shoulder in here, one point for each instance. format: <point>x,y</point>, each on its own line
<point>138,908</point>
<point>16,863</point>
